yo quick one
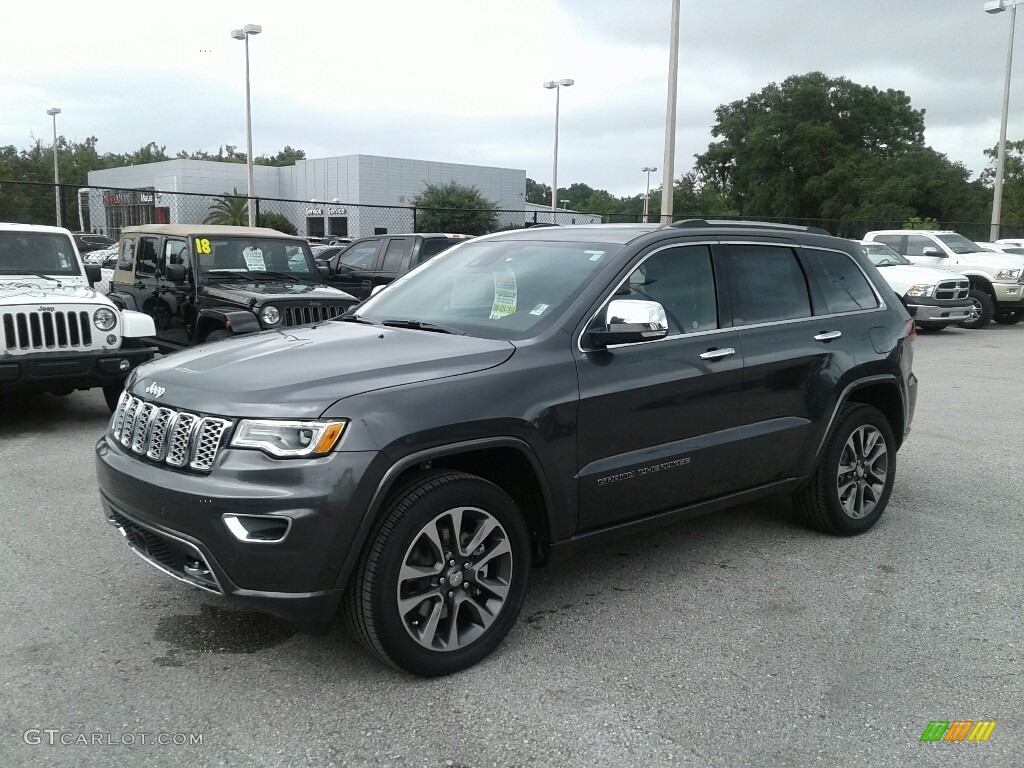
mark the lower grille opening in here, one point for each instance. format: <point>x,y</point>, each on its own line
<point>181,560</point>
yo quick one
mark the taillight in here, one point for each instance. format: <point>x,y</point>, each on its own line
<point>910,329</point>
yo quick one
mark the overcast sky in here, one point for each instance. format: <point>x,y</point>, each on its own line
<point>461,80</point>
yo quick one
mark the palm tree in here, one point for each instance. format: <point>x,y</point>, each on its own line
<point>229,209</point>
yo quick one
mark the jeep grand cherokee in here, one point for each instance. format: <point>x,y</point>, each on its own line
<point>518,395</point>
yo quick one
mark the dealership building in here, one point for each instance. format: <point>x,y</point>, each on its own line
<point>348,196</point>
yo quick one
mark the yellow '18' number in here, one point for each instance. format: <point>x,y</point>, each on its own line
<point>202,245</point>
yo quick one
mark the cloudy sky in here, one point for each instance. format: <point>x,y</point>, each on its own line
<point>461,80</point>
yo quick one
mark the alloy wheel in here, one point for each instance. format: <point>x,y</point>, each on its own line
<point>863,469</point>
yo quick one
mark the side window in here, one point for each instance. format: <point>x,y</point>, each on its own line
<point>893,241</point>
<point>768,284</point>
<point>398,249</point>
<point>127,257</point>
<point>917,243</point>
<point>145,264</point>
<point>175,253</point>
<point>842,284</point>
<point>681,279</point>
<point>432,247</point>
<point>360,256</point>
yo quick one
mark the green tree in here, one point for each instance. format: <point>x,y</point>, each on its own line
<point>1013,181</point>
<point>538,194</point>
<point>453,207</point>
<point>229,209</point>
<point>277,221</point>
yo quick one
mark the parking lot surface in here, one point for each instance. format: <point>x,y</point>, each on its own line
<point>737,639</point>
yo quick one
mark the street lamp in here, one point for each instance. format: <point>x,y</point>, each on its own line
<point>648,169</point>
<point>243,34</point>
<point>668,185</point>
<point>56,174</point>
<point>998,6</point>
<point>557,85</point>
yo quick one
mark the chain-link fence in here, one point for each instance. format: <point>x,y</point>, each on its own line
<point>107,210</point>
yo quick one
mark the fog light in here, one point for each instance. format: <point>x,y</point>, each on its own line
<point>124,365</point>
<point>111,339</point>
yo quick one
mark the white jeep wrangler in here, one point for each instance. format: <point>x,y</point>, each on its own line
<point>58,334</point>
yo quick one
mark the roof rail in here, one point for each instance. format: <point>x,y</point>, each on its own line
<point>696,223</point>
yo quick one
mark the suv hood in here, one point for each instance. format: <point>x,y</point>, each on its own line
<point>233,290</point>
<point>30,290</point>
<point>283,374</point>
<point>986,259</point>
<point>901,276</point>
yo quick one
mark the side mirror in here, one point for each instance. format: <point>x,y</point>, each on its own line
<point>175,273</point>
<point>630,320</point>
<point>93,274</point>
<point>377,289</point>
<point>325,270</point>
<point>930,251</point>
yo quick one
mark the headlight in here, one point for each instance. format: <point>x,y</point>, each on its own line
<point>288,439</point>
<point>1007,274</point>
<point>920,290</point>
<point>270,315</point>
<point>104,319</point>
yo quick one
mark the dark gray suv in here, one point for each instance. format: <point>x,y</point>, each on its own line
<point>514,398</point>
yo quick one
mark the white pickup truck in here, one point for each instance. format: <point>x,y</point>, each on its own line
<point>58,334</point>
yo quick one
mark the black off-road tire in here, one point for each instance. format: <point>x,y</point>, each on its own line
<point>825,502</point>
<point>984,309</point>
<point>216,336</point>
<point>112,393</point>
<point>372,602</point>
<point>1009,317</point>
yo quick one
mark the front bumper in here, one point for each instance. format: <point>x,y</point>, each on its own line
<point>1008,295</point>
<point>177,521</point>
<point>947,312</point>
<point>47,371</point>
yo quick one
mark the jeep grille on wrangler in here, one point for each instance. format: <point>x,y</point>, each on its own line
<point>33,331</point>
<point>177,438</point>
<point>952,290</point>
<point>311,314</point>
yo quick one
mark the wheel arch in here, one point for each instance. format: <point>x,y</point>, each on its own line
<point>883,394</point>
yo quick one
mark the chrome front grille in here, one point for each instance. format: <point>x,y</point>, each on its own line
<point>177,438</point>
<point>311,314</point>
<point>34,331</point>
<point>952,290</point>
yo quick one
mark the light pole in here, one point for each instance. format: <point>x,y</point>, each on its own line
<point>243,34</point>
<point>648,169</point>
<point>998,6</point>
<point>668,185</point>
<point>56,173</point>
<point>557,85</point>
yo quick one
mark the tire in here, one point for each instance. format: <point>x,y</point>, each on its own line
<point>112,393</point>
<point>216,336</point>
<point>1009,317</point>
<point>851,485</point>
<point>981,313</point>
<point>413,603</point>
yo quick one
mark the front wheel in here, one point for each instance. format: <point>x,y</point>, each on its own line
<point>982,311</point>
<point>851,485</point>
<point>442,580</point>
<point>112,394</point>
<point>1009,317</point>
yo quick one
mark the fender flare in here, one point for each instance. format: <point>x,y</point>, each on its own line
<point>239,320</point>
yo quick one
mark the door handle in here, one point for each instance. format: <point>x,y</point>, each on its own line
<point>828,335</point>
<point>717,354</point>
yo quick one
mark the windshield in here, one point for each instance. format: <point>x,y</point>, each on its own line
<point>38,253</point>
<point>884,256</point>
<point>495,289</point>
<point>255,255</point>
<point>960,244</point>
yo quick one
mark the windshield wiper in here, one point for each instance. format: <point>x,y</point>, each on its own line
<point>227,273</point>
<point>285,275</point>
<point>419,325</point>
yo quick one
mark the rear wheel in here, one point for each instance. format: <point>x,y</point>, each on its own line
<point>982,311</point>
<point>1009,317</point>
<point>217,335</point>
<point>443,578</point>
<point>851,485</point>
<point>112,394</point>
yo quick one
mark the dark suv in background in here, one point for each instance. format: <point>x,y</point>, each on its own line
<point>528,392</point>
<point>375,261</point>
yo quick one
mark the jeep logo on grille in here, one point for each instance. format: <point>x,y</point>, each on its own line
<point>155,390</point>
<point>46,309</point>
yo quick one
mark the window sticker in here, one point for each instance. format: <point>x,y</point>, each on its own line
<point>254,259</point>
<point>540,309</point>
<point>505,294</point>
<point>594,255</point>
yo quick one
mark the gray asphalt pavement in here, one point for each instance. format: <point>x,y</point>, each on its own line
<point>741,639</point>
